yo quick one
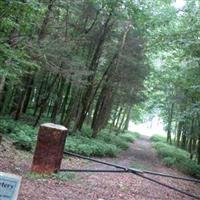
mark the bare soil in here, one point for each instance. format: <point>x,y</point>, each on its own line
<point>96,186</point>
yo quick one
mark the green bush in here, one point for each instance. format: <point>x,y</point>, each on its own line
<point>90,147</point>
<point>24,136</point>
<point>105,144</point>
<point>111,138</point>
<point>86,131</point>
<point>81,142</point>
<point>165,150</point>
<point>169,161</point>
<point>189,167</point>
<point>158,138</point>
<point>130,137</point>
<point>178,158</point>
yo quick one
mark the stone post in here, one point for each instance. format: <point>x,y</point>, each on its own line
<point>49,150</point>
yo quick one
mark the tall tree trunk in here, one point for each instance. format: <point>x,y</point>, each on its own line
<point>184,138</point>
<point>45,22</point>
<point>64,103</point>
<point>2,84</point>
<point>118,117</point>
<point>127,119</point>
<point>44,101</point>
<point>178,135</point>
<point>28,94</point>
<point>198,150</point>
<point>169,126</point>
<point>21,98</point>
<point>71,109</point>
<point>85,101</point>
<point>39,93</point>
<point>58,100</point>
<point>8,97</point>
<point>102,110</point>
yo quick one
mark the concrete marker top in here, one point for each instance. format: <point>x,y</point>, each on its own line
<point>54,126</point>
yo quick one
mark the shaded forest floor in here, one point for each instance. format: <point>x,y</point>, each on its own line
<point>95,186</point>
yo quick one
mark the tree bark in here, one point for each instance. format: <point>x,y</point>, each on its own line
<point>85,101</point>
<point>58,100</point>
<point>44,101</point>
<point>64,103</point>
<point>45,22</point>
<point>169,126</point>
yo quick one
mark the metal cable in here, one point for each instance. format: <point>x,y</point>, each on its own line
<point>169,187</point>
<point>133,171</point>
<point>171,176</point>
<point>93,170</point>
<point>102,162</point>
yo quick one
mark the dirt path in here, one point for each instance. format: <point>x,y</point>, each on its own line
<point>104,186</point>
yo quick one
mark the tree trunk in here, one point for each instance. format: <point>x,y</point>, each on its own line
<point>37,101</point>
<point>198,150</point>
<point>178,135</point>
<point>57,103</point>
<point>169,126</point>
<point>127,119</point>
<point>28,94</point>
<point>71,109</point>
<point>184,139</point>
<point>45,22</point>
<point>85,101</point>
<point>2,84</point>
<point>102,110</point>
<point>118,117</point>
<point>64,103</point>
<point>44,101</point>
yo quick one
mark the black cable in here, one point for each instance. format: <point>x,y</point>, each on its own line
<point>138,173</point>
<point>169,187</point>
<point>93,170</point>
<point>171,176</point>
<point>132,169</point>
<point>102,162</point>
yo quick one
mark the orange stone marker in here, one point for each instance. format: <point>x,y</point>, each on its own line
<point>49,150</point>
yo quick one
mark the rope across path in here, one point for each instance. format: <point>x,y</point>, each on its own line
<point>138,172</point>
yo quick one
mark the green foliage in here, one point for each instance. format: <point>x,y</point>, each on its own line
<point>130,136</point>
<point>158,138</point>
<point>86,131</point>
<point>169,161</point>
<point>111,138</point>
<point>90,147</point>
<point>105,144</point>
<point>174,157</point>
<point>64,176</point>
<point>59,176</point>
<point>24,136</point>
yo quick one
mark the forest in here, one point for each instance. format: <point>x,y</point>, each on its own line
<point>95,65</point>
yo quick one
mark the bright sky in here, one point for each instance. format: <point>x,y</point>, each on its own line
<point>149,128</point>
<point>179,4</point>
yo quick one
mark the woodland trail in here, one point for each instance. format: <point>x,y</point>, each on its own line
<point>102,186</point>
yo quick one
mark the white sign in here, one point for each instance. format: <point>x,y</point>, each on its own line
<point>9,186</point>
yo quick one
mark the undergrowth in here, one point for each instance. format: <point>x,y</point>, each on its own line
<point>56,176</point>
<point>158,138</point>
<point>178,158</point>
<point>105,144</point>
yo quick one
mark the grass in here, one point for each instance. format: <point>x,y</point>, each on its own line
<point>69,176</point>
<point>178,158</point>
<point>158,138</point>
<point>106,144</point>
<point>23,135</point>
